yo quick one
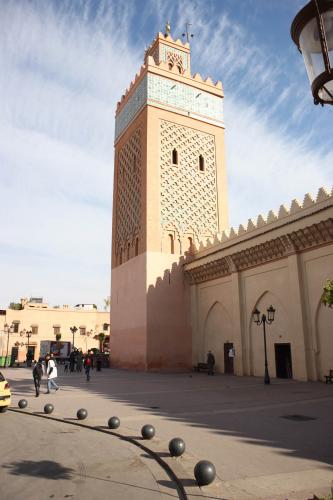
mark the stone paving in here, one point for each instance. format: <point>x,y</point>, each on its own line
<point>267,442</point>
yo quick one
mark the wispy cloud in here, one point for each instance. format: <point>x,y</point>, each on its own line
<point>64,65</point>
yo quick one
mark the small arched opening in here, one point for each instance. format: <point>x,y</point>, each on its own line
<point>174,156</point>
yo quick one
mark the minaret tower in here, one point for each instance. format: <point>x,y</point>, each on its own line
<point>170,192</point>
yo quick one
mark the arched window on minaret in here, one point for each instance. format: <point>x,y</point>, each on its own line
<point>136,247</point>
<point>172,244</point>
<point>121,256</point>
<point>128,250</point>
<point>170,65</point>
<point>201,163</point>
<point>134,163</point>
<point>190,244</point>
<point>174,156</point>
<point>180,69</point>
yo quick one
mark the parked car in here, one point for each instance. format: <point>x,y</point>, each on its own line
<point>5,394</point>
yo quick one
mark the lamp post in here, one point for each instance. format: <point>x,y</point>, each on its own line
<point>27,334</point>
<point>73,329</point>
<point>262,321</point>
<point>88,334</point>
<point>8,329</point>
<point>312,32</point>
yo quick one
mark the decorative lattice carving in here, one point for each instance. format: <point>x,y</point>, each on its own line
<point>129,189</point>
<point>175,60</point>
<point>188,196</point>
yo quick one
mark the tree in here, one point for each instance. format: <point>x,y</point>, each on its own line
<point>327,296</point>
<point>101,337</point>
<point>16,306</point>
<point>107,303</point>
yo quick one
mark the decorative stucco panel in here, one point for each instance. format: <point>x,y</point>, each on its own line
<point>188,195</point>
<point>129,189</point>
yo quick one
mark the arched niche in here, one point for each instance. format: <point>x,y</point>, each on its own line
<point>278,332</point>
<point>217,331</point>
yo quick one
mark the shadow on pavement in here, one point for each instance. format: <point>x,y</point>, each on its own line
<point>46,469</point>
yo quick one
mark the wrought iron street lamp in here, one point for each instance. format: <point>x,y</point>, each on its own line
<point>8,329</point>
<point>262,321</point>
<point>28,334</point>
<point>73,329</point>
<point>312,32</point>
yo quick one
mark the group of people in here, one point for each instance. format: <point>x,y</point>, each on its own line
<point>48,367</point>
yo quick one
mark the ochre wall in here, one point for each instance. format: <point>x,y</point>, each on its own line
<point>300,320</point>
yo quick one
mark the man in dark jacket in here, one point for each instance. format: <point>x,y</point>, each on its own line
<point>37,373</point>
<point>210,363</point>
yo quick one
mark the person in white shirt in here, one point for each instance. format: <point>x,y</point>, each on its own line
<point>52,373</point>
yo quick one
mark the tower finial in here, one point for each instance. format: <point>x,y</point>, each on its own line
<point>167,29</point>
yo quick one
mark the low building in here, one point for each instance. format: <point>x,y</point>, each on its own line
<point>32,321</point>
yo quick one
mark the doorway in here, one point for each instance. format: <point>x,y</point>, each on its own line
<point>283,361</point>
<point>14,355</point>
<point>229,354</point>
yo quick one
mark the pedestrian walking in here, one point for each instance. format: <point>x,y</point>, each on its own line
<point>99,363</point>
<point>210,362</point>
<point>87,366</point>
<point>71,361</point>
<point>79,361</point>
<point>52,374</point>
<point>37,373</point>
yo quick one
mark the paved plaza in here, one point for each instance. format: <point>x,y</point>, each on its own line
<point>267,442</point>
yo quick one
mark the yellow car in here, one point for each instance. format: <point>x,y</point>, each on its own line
<point>5,394</point>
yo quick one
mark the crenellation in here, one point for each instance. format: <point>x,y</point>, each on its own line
<point>241,229</point>
<point>271,216</point>
<point>295,207</point>
<point>322,195</point>
<point>250,225</point>
<point>260,221</point>
<point>308,201</point>
<point>283,211</point>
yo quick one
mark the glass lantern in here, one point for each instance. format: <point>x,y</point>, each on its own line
<point>312,32</point>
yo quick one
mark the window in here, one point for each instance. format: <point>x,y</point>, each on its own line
<point>134,163</point>
<point>136,247</point>
<point>34,329</point>
<point>128,251</point>
<point>201,163</point>
<point>105,327</point>
<point>170,65</point>
<point>121,256</point>
<point>16,325</point>
<point>180,69</point>
<point>174,157</point>
<point>172,244</point>
<point>82,330</point>
<point>56,329</point>
<point>190,244</point>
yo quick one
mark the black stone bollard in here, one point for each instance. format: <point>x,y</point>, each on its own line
<point>48,408</point>
<point>148,431</point>
<point>81,414</point>
<point>23,403</point>
<point>204,472</point>
<point>176,447</point>
<point>113,423</point>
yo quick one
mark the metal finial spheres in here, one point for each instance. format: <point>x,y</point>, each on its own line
<point>148,431</point>
<point>176,447</point>
<point>204,472</point>
<point>23,403</point>
<point>48,408</point>
<point>113,423</point>
<point>81,414</point>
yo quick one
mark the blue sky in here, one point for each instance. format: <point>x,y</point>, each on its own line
<point>64,64</point>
